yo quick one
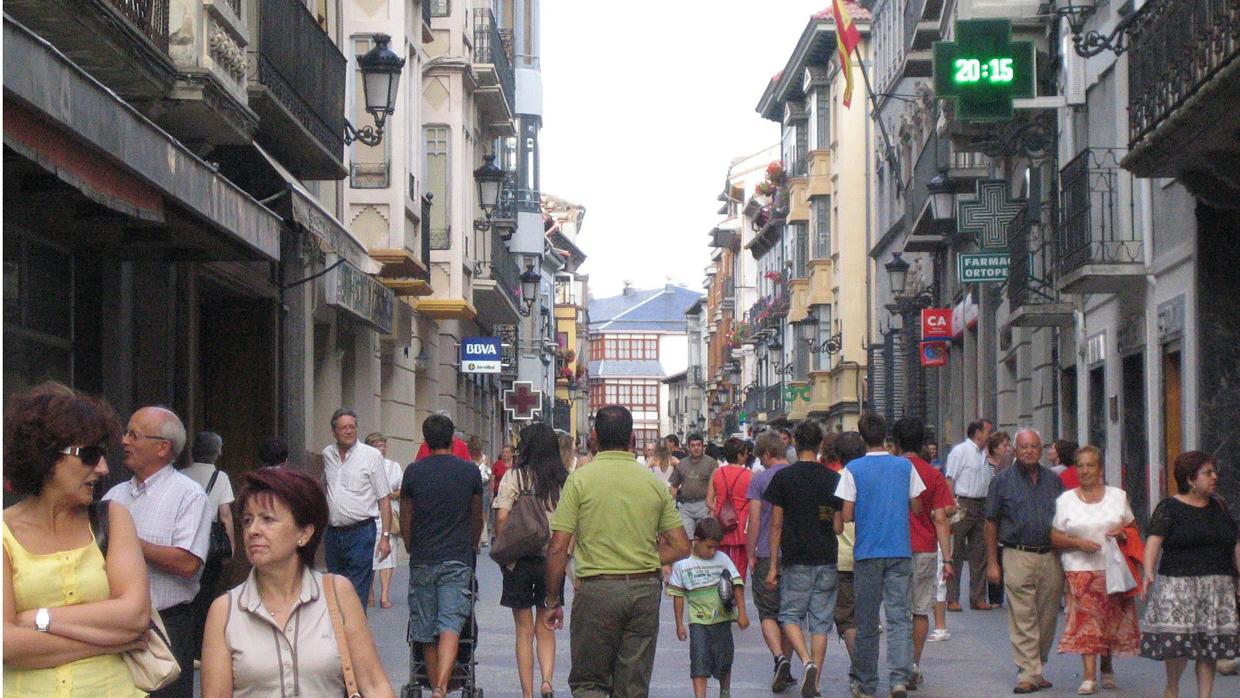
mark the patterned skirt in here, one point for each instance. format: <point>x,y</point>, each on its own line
<point>1098,622</point>
<point>1191,618</point>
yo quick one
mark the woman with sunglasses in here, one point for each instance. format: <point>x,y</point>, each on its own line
<point>68,612</point>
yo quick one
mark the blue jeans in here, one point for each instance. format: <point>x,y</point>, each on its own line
<point>884,580</point>
<point>808,590</point>
<point>351,554</point>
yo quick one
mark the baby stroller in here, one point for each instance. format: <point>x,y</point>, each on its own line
<point>464,671</point>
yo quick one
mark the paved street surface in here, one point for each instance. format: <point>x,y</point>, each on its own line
<point>975,663</point>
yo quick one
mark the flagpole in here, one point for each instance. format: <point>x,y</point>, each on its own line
<point>882,128</point>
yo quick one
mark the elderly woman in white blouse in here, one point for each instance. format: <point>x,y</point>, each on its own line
<point>273,635</point>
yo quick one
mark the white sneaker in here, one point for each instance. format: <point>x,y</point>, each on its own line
<point>939,635</point>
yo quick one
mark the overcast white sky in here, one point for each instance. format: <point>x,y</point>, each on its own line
<point>645,105</point>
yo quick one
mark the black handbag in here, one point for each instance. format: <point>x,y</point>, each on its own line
<point>220,548</point>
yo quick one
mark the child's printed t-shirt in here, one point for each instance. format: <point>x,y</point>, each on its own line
<point>697,580</point>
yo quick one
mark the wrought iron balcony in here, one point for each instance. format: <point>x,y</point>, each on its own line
<point>297,86</point>
<point>497,81</point>
<point>1099,250</point>
<point>497,283</point>
<point>150,16</point>
<point>1177,48</point>
<point>1033,300</point>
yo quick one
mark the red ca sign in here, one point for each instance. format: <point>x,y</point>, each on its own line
<point>936,323</point>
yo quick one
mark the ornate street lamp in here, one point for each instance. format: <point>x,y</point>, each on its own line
<point>381,70</point>
<point>530,280</point>
<point>897,273</point>
<point>490,180</point>
<point>734,373</point>
<point>942,196</point>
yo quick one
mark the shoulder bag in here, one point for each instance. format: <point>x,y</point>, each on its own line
<point>342,642</point>
<point>727,512</point>
<point>220,548</point>
<point>154,667</point>
<point>527,529</point>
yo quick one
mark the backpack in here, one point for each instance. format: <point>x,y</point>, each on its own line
<point>727,512</point>
<point>527,530</point>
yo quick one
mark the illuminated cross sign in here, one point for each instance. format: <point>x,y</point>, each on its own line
<point>987,217</point>
<point>522,401</point>
<point>983,69</point>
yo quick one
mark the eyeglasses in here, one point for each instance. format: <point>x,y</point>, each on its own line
<point>135,435</point>
<point>90,455</point>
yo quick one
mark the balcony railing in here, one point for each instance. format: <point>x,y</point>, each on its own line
<point>1176,46</point>
<point>1094,191</point>
<point>303,69</point>
<point>489,49</point>
<point>798,167</point>
<point>150,16</point>
<point>504,267</point>
<point>1032,246</point>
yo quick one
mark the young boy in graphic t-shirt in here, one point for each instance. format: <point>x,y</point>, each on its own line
<point>697,578</point>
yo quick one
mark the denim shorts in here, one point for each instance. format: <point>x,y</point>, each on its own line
<point>440,599</point>
<point>808,591</point>
<point>710,650</point>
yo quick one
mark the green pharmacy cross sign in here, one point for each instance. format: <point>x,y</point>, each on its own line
<point>983,69</point>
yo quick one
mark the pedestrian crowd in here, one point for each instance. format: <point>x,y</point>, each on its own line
<point>859,534</point>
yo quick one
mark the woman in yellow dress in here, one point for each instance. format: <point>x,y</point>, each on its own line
<point>68,613</point>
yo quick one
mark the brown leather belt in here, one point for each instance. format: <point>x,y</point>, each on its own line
<point>623,577</point>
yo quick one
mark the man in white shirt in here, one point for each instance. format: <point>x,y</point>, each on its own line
<point>174,526</point>
<point>968,476</point>
<point>358,493</point>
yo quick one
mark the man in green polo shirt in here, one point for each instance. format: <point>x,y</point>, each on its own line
<point>617,513</point>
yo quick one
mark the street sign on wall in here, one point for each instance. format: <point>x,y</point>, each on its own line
<point>983,70</point>
<point>480,355</point>
<point>936,323</point>
<point>983,267</point>
<point>354,291</point>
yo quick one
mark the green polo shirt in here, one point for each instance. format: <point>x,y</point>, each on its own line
<point>616,508</point>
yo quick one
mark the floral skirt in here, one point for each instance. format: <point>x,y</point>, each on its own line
<point>1191,618</point>
<point>1098,622</point>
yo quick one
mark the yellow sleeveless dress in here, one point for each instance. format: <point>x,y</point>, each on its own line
<point>59,579</point>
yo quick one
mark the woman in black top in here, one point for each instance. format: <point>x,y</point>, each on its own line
<point>1191,611</point>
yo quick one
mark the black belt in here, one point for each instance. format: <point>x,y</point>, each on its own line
<point>979,499</point>
<point>630,577</point>
<point>690,501</point>
<point>352,527</point>
<point>1039,549</point>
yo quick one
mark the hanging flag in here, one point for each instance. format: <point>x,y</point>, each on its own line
<point>846,39</point>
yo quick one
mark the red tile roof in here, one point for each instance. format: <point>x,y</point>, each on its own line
<point>855,10</point>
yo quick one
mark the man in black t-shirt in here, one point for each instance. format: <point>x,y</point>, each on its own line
<point>805,518</point>
<point>440,500</point>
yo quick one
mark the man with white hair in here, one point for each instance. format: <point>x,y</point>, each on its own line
<point>174,526</point>
<point>1019,511</point>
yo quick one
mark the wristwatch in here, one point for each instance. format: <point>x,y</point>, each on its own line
<point>552,601</point>
<point>42,620</point>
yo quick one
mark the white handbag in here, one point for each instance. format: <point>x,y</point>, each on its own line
<point>1119,577</point>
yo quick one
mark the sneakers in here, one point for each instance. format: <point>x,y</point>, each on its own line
<point>857,692</point>
<point>899,691</point>
<point>939,635</point>
<point>915,679</point>
<point>809,684</point>
<point>783,675</point>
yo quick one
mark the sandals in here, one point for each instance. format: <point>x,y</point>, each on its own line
<point>385,604</point>
<point>1088,688</point>
<point>547,690</point>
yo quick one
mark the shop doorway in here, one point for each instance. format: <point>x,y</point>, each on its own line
<point>1133,442</point>
<point>1173,417</point>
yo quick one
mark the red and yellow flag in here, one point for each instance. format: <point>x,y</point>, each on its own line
<point>846,39</point>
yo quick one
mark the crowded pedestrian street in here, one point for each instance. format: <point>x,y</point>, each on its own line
<point>643,349</point>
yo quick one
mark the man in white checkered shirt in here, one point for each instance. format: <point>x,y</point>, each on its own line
<point>174,527</point>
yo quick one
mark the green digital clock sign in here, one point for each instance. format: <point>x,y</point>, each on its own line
<point>983,70</point>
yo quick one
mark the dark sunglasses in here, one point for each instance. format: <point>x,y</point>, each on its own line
<point>90,455</point>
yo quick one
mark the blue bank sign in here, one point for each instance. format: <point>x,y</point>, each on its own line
<point>480,355</point>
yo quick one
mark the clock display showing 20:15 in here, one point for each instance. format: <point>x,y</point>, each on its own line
<point>968,71</point>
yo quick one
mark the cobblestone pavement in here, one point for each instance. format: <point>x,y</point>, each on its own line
<point>975,663</point>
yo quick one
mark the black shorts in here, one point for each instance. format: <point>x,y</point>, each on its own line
<point>525,585</point>
<point>710,650</point>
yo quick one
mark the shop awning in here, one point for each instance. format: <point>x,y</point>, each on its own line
<point>45,81</point>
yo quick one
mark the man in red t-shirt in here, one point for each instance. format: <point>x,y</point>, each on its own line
<point>459,449</point>
<point>929,530</point>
